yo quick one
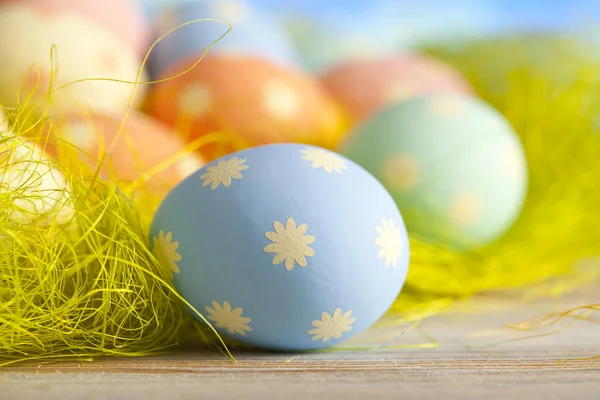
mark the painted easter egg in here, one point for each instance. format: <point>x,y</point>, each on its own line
<point>124,18</point>
<point>453,164</point>
<point>83,51</point>
<point>254,33</point>
<point>144,151</point>
<point>256,100</point>
<point>32,189</point>
<point>364,86</point>
<point>283,246</point>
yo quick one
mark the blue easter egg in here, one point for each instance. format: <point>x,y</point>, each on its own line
<point>284,246</point>
<point>454,165</point>
<point>253,32</point>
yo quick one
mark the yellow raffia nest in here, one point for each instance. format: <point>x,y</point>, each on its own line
<point>87,285</point>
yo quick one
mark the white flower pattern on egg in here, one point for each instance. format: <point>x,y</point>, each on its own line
<point>445,106</point>
<point>399,91</point>
<point>332,326</point>
<point>195,100</point>
<point>290,244</point>
<point>229,319</point>
<point>401,172</point>
<point>390,242</point>
<point>165,251</point>
<point>326,159</point>
<point>465,209</point>
<point>224,172</point>
<point>80,135</point>
<point>281,100</point>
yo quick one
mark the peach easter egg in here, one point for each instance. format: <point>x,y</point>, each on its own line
<point>84,50</point>
<point>144,151</point>
<point>124,18</point>
<point>364,86</point>
<point>249,97</point>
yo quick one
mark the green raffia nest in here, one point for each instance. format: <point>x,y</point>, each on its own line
<point>89,286</point>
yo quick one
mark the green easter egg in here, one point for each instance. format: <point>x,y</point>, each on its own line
<point>453,164</point>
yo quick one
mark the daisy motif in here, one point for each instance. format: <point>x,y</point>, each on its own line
<point>332,326</point>
<point>465,209</point>
<point>445,106</point>
<point>195,100</point>
<point>390,242</point>
<point>290,244</point>
<point>399,91</point>
<point>281,100</point>
<point>224,172</point>
<point>326,159</point>
<point>401,172</point>
<point>165,251</point>
<point>229,319</point>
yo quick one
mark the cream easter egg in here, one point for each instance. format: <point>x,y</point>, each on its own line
<point>31,187</point>
<point>364,86</point>
<point>83,51</point>
<point>257,100</point>
<point>454,165</point>
<point>145,151</point>
<point>124,18</point>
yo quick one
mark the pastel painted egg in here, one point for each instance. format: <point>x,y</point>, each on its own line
<point>364,86</point>
<point>254,99</point>
<point>31,187</point>
<point>83,51</point>
<point>284,246</point>
<point>453,164</point>
<point>145,151</point>
<point>123,18</point>
<point>253,33</point>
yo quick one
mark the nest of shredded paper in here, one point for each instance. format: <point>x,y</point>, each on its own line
<point>88,285</point>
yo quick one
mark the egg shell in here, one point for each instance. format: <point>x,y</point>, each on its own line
<point>363,87</point>
<point>285,246</point>
<point>123,18</point>
<point>143,145</point>
<point>84,51</point>
<point>454,165</point>
<point>27,173</point>
<point>253,33</point>
<point>257,100</point>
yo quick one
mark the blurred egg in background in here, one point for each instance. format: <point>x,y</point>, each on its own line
<point>143,150</point>
<point>254,32</point>
<point>251,98</point>
<point>362,87</point>
<point>92,41</point>
<point>453,164</point>
<point>27,172</point>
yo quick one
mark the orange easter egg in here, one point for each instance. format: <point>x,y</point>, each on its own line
<point>254,99</point>
<point>144,148</point>
<point>364,86</point>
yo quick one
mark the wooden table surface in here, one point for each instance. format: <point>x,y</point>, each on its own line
<point>463,365</point>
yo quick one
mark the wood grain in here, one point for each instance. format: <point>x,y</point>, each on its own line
<point>464,365</point>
